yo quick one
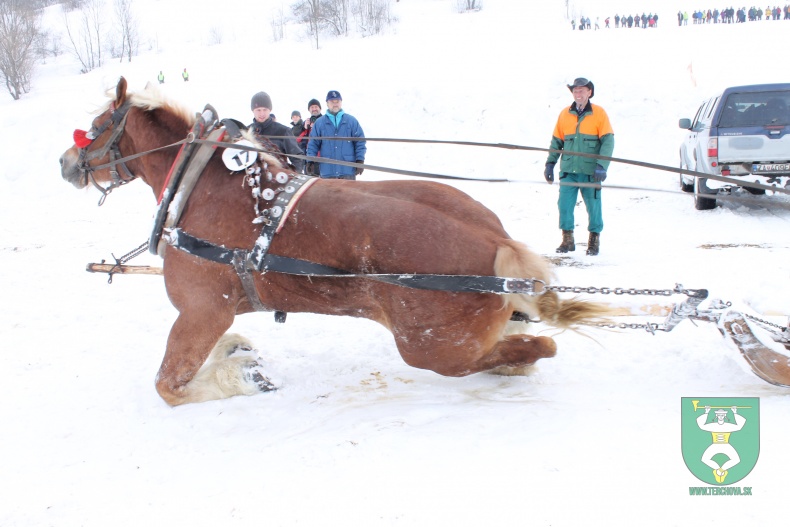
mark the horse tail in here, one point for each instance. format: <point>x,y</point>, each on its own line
<point>514,259</point>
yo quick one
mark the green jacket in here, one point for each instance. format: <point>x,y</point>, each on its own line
<point>589,133</point>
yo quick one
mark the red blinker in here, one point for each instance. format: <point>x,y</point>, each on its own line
<point>81,138</point>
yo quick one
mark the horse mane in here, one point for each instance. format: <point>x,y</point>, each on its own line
<point>152,99</point>
<point>268,146</point>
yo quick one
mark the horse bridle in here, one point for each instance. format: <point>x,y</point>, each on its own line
<point>115,123</point>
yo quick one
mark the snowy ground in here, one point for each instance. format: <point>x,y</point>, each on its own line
<point>355,437</point>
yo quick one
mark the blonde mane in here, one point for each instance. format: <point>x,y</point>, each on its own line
<point>152,99</point>
<point>268,158</point>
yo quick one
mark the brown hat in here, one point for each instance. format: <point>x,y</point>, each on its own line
<point>261,100</point>
<point>581,81</point>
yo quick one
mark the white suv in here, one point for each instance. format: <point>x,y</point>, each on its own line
<point>744,133</point>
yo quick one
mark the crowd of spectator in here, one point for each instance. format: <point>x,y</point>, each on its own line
<point>734,16</point>
<point>714,16</point>
<point>636,20</point>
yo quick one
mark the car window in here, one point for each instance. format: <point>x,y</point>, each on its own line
<point>697,116</point>
<point>711,107</point>
<point>756,109</point>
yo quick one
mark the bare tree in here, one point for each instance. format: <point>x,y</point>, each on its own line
<point>215,35</point>
<point>20,30</point>
<point>130,40</point>
<point>336,15</point>
<point>372,16</point>
<point>86,37</point>
<point>310,12</point>
<point>469,5</point>
<point>278,25</point>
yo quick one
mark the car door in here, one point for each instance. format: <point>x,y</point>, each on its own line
<point>689,145</point>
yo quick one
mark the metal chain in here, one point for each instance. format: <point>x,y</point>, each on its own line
<point>766,322</point>
<point>131,254</point>
<point>125,258</point>
<point>609,290</point>
<point>649,327</point>
<point>592,290</point>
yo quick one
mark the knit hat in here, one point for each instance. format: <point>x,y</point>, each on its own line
<point>261,100</point>
<point>312,102</point>
<point>333,95</point>
<point>581,81</point>
<point>296,113</point>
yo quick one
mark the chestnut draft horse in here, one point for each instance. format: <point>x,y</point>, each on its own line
<point>358,227</point>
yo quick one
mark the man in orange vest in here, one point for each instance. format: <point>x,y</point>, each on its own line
<point>581,128</point>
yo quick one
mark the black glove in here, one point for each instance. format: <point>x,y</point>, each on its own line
<point>309,168</point>
<point>360,169</point>
<point>548,173</point>
<point>600,173</point>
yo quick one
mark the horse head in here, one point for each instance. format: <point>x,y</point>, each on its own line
<point>123,128</point>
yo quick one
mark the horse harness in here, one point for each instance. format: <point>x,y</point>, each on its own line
<point>116,123</point>
<point>187,169</point>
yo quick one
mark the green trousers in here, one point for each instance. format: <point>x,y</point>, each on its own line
<point>567,202</point>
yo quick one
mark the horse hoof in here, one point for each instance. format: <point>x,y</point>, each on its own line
<point>514,371</point>
<point>254,375</point>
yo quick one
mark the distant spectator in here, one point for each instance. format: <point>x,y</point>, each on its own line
<point>337,123</point>
<point>298,130</point>
<point>265,125</point>
<point>314,107</point>
<point>185,75</point>
<point>161,77</point>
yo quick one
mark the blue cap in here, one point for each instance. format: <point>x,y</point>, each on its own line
<point>333,95</point>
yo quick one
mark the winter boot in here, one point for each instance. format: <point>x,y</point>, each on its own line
<point>593,243</point>
<point>568,245</point>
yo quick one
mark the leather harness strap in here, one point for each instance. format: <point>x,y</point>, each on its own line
<point>294,266</point>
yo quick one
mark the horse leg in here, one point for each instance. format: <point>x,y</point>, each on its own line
<point>466,340</point>
<point>515,354</point>
<point>200,364</point>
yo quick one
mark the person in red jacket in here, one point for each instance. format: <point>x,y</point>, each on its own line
<point>298,129</point>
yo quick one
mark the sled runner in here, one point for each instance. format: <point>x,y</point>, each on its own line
<point>766,362</point>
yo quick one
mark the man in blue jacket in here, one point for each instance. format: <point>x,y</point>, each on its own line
<point>337,123</point>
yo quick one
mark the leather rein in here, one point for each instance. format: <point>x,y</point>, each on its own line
<point>258,260</point>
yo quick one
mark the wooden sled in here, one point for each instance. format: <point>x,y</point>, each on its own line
<point>770,365</point>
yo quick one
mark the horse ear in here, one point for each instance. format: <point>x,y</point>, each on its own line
<point>120,92</point>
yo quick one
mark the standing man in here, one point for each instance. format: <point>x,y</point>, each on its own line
<point>314,107</point>
<point>337,123</point>
<point>279,134</point>
<point>185,75</point>
<point>582,128</point>
<point>161,77</point>
<point>298,130</point>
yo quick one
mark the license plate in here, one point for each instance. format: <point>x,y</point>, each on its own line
<point>769,168</point>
